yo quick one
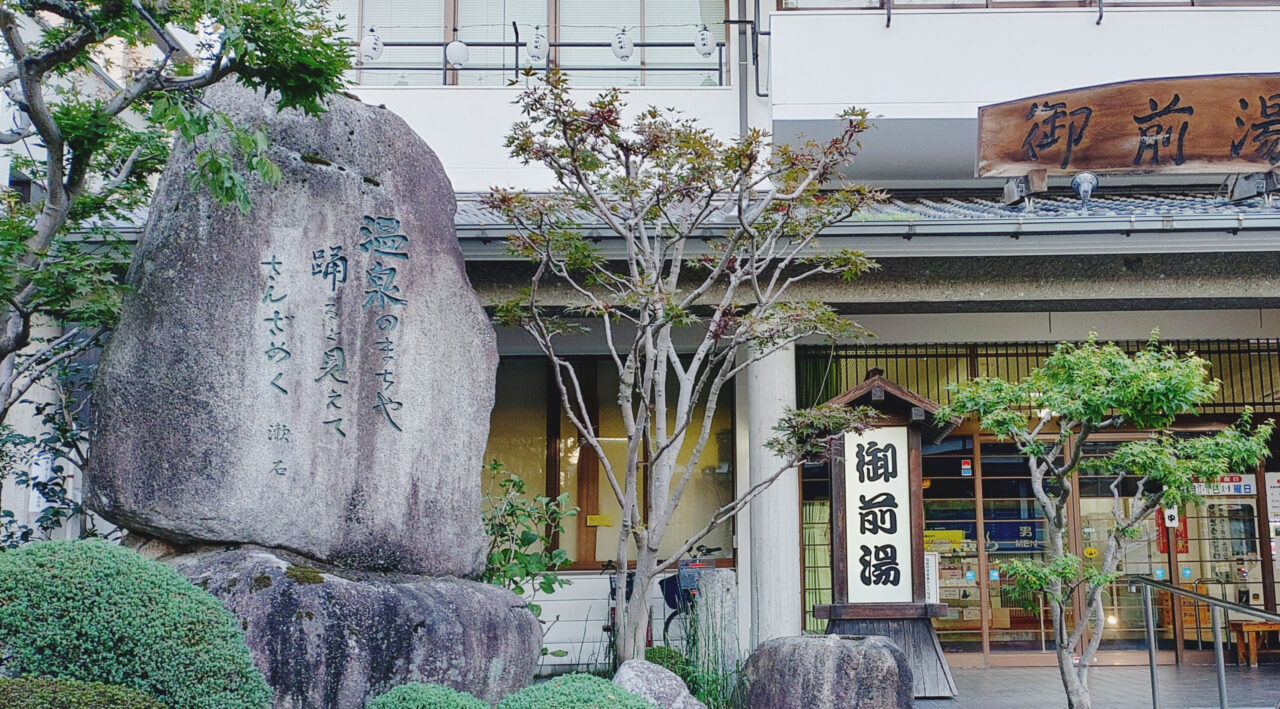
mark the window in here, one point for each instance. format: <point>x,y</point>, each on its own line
<point>520,438</point>
<point>414,33</point>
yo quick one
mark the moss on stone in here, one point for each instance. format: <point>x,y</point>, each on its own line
<point>260,582</point>
<point>314,159</point>
<point>303,574</point>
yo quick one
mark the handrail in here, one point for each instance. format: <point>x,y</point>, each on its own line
<point>1136,579</point>
<point>1216,608</point>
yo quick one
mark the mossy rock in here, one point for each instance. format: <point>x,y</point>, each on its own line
<point>97,612</point>
<point>418,695</point>
<point>49,693</point>
<point>575,691</point>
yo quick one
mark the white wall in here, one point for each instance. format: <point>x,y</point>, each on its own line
<point>466,126</point>
<point>947,63</point>
<point>574,618</point>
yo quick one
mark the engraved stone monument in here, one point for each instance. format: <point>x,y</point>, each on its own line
<point>313,378</point>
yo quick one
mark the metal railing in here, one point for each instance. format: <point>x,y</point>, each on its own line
<point>1216,608</point>
<point>516,67</point>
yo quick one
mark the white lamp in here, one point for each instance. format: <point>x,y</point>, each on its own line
<point>538,47</point>
<point>623,47</point>
<point>704,43</point>
<point>458,53</point>
<point>371,46</point>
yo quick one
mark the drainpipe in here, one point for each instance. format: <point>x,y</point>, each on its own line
<point>742,67</point>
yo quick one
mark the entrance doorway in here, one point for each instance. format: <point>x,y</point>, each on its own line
<point>980,514</point>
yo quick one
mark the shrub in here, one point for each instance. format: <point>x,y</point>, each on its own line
<point>426,696</point>
<point>671,659</point>
<point>576,691</point>
<point>96,612</point>
<point>48,693</point>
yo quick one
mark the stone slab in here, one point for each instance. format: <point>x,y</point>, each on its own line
<point>315,375</point>
<point>324,641</point>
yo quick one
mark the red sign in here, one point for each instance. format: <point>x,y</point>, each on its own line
<point>1162,539</point>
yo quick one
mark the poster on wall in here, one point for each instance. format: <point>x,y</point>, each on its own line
<point>1228,485</point>
<point>878,490</point>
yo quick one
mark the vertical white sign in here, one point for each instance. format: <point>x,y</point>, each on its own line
<point>878,515</point>
<point>931,583</point>
<point>1273,496</point>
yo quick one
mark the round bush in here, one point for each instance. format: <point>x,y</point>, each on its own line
<point>576,691</point>
<point>48,693</point>
<point>96,612</point>
<point>426,696</point>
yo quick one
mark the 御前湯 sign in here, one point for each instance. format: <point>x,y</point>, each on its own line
<point>1205,124</point>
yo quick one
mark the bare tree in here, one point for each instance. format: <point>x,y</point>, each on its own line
<point>707,238</point>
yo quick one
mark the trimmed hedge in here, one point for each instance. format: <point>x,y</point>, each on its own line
<point>575,691</point>
<point>97,612</point>
<point>49,693</point>
<point>418,695</point>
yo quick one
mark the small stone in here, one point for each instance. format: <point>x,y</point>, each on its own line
<point>657,684</point>
<point>828,672</point>
<point>313,376</point>
<point>340,643</point>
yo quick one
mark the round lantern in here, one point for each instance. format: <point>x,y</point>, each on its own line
<point>623,47</point>
<point>538,47</point>
<point>458,54</point>
<point>704,43</point>
<point>371,46</point>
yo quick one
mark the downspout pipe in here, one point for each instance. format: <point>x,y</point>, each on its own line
<point>742,68</point>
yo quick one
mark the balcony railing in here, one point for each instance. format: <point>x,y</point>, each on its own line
<point>448,73</point>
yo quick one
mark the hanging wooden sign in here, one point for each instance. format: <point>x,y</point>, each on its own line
<point>1198,124</point>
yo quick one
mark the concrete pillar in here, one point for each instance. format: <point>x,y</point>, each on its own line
<point>774,521</point>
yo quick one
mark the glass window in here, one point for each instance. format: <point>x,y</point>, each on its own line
<point>489,21</point>
<point>658,21</point>
<point>710,487</point>
<point>951,530</point>
<point>815,486</point>
<point>1013,529</point>
<point>397,21</point>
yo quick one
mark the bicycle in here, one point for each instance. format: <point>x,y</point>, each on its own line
<point>610,568</point>
<point>680,590</point>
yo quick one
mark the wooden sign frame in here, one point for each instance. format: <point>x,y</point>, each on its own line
<point>907,624</point>
<point>1228,123</point>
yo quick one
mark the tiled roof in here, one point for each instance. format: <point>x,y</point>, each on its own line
<point>1050,206</point>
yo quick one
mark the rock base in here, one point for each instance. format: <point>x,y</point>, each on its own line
<point>325,641</point>
<point>660,686</point>
<point>828,672</point>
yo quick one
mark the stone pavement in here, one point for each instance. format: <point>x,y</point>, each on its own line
<point>1189,687</point>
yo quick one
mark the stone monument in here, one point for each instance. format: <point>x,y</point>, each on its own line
<point>296,400</point>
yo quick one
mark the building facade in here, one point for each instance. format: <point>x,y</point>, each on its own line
<point>971,284</point>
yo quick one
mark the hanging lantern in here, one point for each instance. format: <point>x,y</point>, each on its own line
<point>458,54</point>
<point>623,47</point>
<point>704,43</point>
<point>371,46</point>
<point>538,47</point>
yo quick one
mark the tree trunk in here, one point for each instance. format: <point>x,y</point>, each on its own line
<point>1077,694</point>
<point>633,633</point>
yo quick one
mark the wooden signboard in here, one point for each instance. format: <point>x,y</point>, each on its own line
<point>878,569</point>
<point>1198,124</point>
